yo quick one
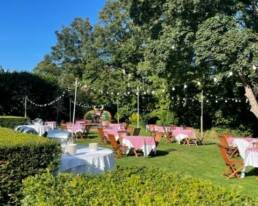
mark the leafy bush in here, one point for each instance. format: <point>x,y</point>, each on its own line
<point>213,133</point>
<point>22,155</point>
<point>11,121</point>
<point>133,118</point>
<point>106,116</point>
<point>89,115</point>
<point>134,186</point>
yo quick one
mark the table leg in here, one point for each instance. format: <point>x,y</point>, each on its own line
<point>243,172</point>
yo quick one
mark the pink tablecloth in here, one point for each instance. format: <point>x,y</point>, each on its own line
<point>114,132</point>
<point>75,128</point>
<point>186,132</point>
<point>145,143</point>
<point>157,128</point>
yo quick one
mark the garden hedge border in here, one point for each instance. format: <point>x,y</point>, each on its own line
<point>22,155</point>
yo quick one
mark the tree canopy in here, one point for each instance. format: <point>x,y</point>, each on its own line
<point>169,51</point>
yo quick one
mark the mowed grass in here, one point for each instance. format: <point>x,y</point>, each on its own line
<point>203,162</point>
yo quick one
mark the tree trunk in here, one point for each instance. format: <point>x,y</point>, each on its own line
<point>252,100</point>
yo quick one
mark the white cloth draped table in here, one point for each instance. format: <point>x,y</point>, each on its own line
<point>243,144</point>
<point>39,128</point>
<point>87,161</point>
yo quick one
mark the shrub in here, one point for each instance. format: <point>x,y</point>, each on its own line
<point>133,118</point>
<point>89,115</point>
<point>134,186</point>
<point>11,121</point>
<point>22,155</point>
<point>213,133</point>
<point>106,116</point>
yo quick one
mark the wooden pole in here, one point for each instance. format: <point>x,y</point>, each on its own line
<point>202,99</point>
<point>117,109</point>
<point>75,97</point>
<point>138,107</point>
<point>25,107</point>
<point>70,109</point>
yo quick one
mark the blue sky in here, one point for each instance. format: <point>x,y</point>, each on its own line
<point>27,27</point>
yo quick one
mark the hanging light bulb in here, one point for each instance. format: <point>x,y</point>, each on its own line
<point>173,88</point>
<point>185,86</point>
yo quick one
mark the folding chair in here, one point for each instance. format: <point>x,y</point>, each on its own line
<point>118,148</point>
<point>102,135</point>
<point>157,138</point>
<point>231,151</point>
<point>233,167</point>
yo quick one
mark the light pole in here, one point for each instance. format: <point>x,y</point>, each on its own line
<point>117,108</point>
<point>75,97</point>
<point>202,114</point>
<point>138,107</point>
<point>25,107</point>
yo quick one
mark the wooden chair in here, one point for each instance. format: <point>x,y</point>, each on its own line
<point>193,140</point>
<point>118,148</point>
<point>233,167</point>
<point>157,138</point>
<point>231,151</point>
<point>102,135</point>
<point>130,131</point>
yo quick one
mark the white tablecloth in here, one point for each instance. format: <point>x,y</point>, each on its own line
<point>251,157</point>
<point>40,129</point>
<point>180,137</point>
<point>242,145</point>
<point>87,161</point>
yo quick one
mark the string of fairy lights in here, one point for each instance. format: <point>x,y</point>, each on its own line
<point>144,94</point>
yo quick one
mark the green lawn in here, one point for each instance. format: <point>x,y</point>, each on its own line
<point>202,162</point>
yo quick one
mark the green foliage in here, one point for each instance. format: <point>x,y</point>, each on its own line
<point>14,86</point>
<point>159,46</point>
<point>23,155</point>
<point>134,117</point>
<point>212,134</point>
<point>89,115</point>
<point>135,186</point>
<point>11,121</point>
<point>106,116</point>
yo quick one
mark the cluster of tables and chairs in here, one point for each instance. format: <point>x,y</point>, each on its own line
<point>238,153</point>
<point>182,135</point>
<point>126,140</point>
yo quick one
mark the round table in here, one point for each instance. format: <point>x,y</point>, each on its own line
<point>88,161</point>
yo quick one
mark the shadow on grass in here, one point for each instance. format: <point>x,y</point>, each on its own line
<point>162,152</point>
<point>252,172</point>
<point>91,135</point>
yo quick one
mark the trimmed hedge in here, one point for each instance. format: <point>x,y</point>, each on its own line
<point>22,155</point>
<point>129,186</point>
<point>11,121</point>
